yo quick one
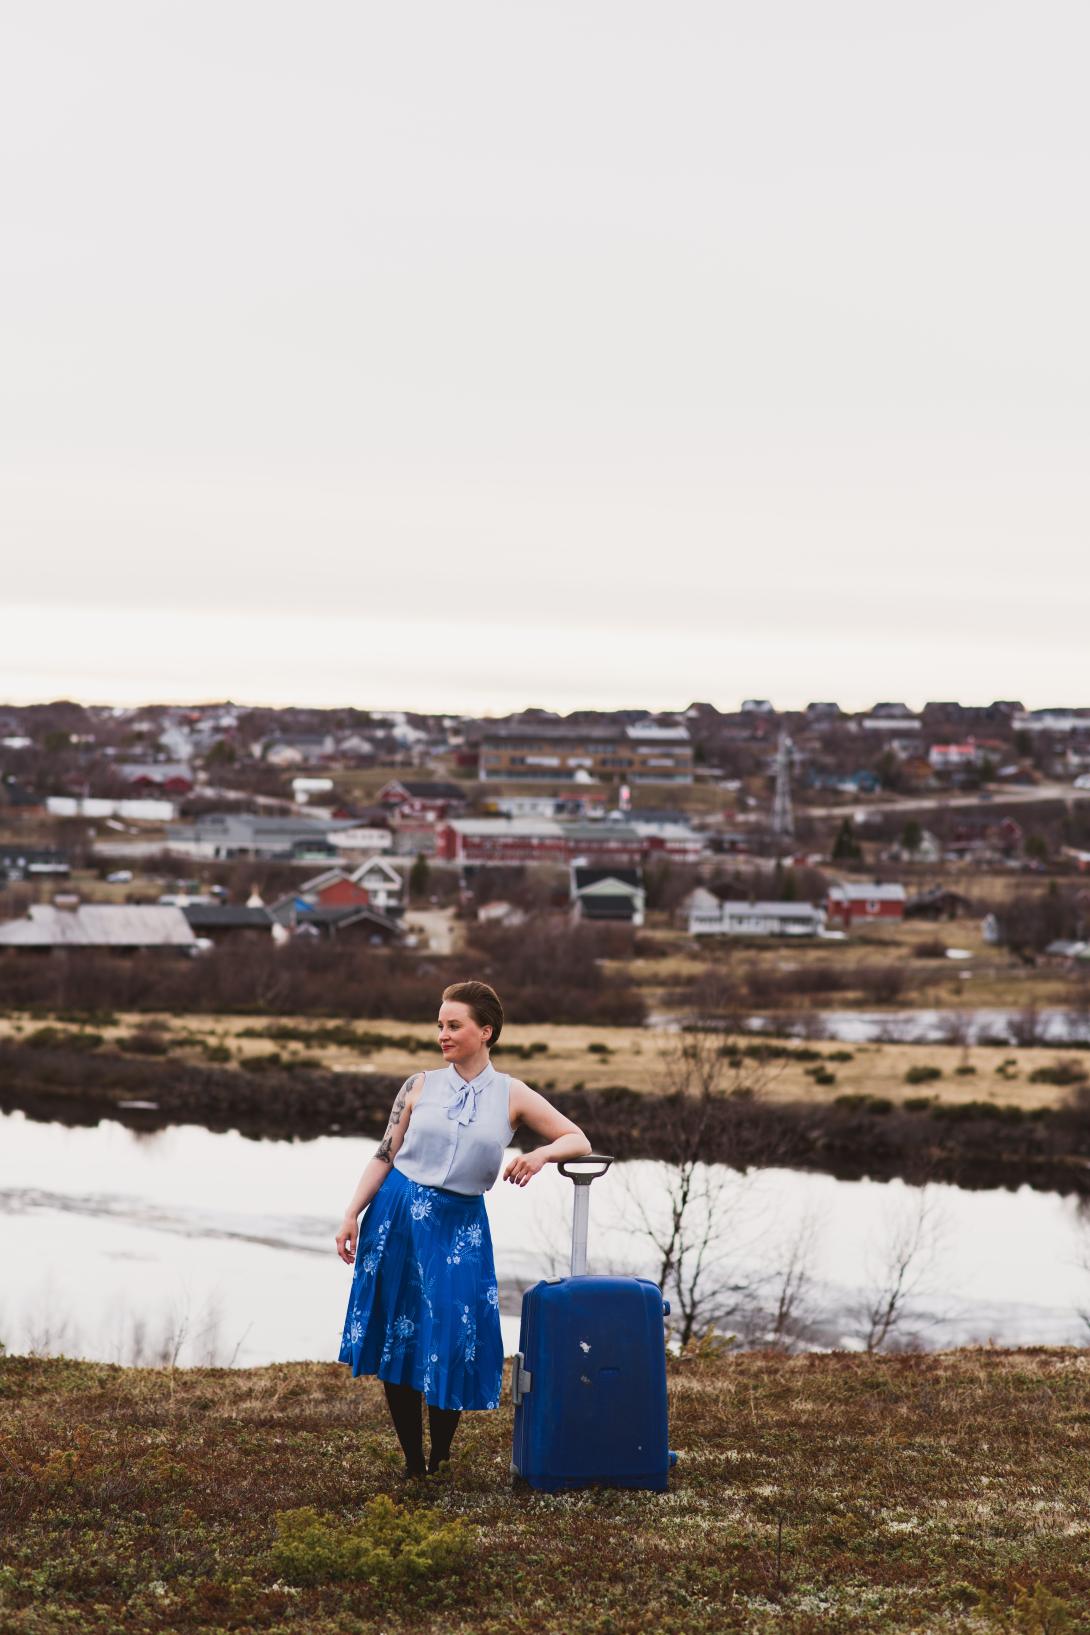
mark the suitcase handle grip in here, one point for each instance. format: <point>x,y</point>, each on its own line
<point>575,1170</point>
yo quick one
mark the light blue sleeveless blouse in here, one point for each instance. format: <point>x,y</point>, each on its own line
<point>458,1131</point>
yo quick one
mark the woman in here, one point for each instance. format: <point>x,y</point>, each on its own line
<point>423,1313</point>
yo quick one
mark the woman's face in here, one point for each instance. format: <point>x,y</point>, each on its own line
<point>460,1037</point>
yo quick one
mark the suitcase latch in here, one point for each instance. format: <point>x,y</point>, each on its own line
<point>521,1378</point>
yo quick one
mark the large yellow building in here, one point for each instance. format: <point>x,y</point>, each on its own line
<point>646,752</point>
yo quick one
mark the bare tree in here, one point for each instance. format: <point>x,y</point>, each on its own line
<point>899,1268</point>
<point>689,1220</point>
<point>1082,1254</point>
<point>791,1284</point>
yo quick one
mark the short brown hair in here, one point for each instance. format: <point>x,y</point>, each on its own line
<point>484,1004</point>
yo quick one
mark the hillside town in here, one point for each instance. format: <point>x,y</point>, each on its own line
<point>180,829</point>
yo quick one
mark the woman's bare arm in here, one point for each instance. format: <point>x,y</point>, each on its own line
<point>565,1139</point>
<point>379,1166</point>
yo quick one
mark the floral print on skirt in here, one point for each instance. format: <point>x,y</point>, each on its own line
<point>424,1306</point>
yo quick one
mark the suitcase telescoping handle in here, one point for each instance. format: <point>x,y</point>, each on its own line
<point>582,1171</point>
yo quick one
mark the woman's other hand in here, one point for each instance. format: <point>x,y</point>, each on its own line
<point>523,1168</point>
<point>346,1239</point>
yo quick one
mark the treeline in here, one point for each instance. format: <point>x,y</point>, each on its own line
<point>726,990</point>
<point>1029,921</point>
<point>551,975</point>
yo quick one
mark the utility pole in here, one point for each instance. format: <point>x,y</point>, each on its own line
<point>783,818</point>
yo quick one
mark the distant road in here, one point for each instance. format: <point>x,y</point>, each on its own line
<point>942,802</point>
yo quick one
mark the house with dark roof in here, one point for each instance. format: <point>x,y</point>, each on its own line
<point>416,807</point>
<point>32,863</point>
<point>421,793</point>
<point>13,794</point>
<point>359,924</point>
<point>374,884</point>
<point>228,922</point>
<point>607,894</point>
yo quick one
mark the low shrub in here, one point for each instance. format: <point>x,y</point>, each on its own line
<point>961,1112</point>
<point>918,1104</point>
<point>930,948</point>
<point>857,1102</point>
<point>1062,1071</point>
<point>821,1075</point>
<point>144,1043</point>
<point>389,1547</point>
<point>87,1019</point>
<point>48,1038</point>
<point>526,1053</point>
<point>922,1075</point>
<point>965,1071</point>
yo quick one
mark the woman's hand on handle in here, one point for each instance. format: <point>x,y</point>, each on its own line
<point>521,1170</point>
<point>564,1139</point>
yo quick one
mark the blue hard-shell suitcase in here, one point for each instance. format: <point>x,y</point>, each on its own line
<point>589,1377</point>
<point>589,1382</point>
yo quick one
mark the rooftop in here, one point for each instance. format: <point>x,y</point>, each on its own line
<point>98,925</point>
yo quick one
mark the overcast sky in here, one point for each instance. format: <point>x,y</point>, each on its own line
<point>469,356</point>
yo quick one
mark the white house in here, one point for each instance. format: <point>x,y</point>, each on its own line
<point>707,916</point>
<point>953,757</point>
<point>384,884</point>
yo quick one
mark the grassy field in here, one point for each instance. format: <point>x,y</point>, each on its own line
<point>593,1058</point>
<point>990,976</point>
<point>823,1492</point>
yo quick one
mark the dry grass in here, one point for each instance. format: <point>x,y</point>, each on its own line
<point>991,977</point>
<point>594,1058</point>
<point>834,1492</point>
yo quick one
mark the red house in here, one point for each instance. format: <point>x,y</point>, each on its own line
<point>333,889</point>
<point>853,900</point>
<point>416,798</point>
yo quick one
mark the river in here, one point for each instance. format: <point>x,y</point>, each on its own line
<point>130,1246</point>
<point>1044,1025</point>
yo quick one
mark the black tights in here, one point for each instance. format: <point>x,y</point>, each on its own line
<point>405,1410</point>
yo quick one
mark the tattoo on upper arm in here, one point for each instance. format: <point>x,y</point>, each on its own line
<point>385,1148</point>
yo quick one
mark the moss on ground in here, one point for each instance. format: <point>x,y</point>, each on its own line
<point>916,1493</point>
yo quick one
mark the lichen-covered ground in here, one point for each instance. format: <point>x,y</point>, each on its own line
<point>825,1492</point>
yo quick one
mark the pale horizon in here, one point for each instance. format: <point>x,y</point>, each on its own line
<point>585,357</point>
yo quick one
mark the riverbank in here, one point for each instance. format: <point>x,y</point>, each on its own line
<point>826,1491</point>
<point>968,1142</point>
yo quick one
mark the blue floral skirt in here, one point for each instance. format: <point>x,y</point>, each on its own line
<point>424,1306</point>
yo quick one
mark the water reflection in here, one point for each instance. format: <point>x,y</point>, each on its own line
<point>185,1245</point>
<point>986,1024</point>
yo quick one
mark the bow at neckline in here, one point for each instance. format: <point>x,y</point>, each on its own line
<point>465,1094</point>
